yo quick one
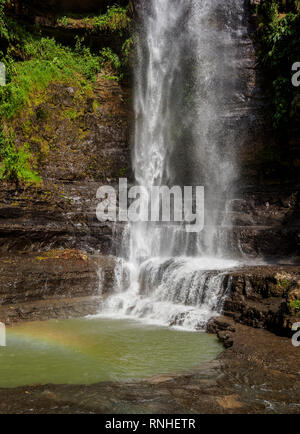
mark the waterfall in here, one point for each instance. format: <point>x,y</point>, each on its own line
<point>186,127</point>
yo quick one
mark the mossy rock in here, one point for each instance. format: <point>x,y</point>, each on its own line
<point>282,284</point>
<point>293,300</point>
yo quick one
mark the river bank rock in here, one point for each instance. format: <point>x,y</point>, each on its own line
<point>260,297</point>
<point>53,284</point>
<point>42,310</point>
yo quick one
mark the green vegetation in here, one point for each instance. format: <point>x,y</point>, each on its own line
<point>279,35</point>
<point>107,55</point>
<point>284,284</point>
<point>295,305</point>
<point>64,21</point>
<point>15,163</point>
<point>71,114</point>
<point>127,50</point>
<point>45,61</point>
<point>33,62</point>
<point>115,19</point>
<point>3,25</point>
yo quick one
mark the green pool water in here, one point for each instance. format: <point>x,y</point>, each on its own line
<point>85,351</point>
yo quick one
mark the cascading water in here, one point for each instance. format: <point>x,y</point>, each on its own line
<point>185,99</point>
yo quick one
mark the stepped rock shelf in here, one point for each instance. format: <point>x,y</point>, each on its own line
<point>66,283</point>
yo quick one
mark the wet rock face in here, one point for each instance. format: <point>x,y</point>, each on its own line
<point>42,310</point>
<point>53,284</point>
<point>31,221</point>
<point>53,274</point>
<point>266,223</point>
<point>138,6</point>
<point>263,297</point>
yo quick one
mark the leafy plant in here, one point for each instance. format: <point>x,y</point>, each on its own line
<point>34,62</point>
<point>15,163</point>
<point>127,50</point>
<point>279,35</point>
<point>64,21</point>
<point>71,114</point>
<point>3,26</point>
<point>107,55</point>
<point>295,305</point>
<point>45,61</point>
<point>115,19</point>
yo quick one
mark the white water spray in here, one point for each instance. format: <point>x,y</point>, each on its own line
<point>185,102</point>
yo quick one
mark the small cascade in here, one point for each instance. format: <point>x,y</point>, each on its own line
<point>182,291</point>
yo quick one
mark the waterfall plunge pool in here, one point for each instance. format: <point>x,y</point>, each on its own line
<point>86,351</point>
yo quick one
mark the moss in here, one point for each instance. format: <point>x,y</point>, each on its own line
<point>71,114</point>
<point>17,164</point>
<point>27,128</point>
<point>294,306</point>
<point>83,134</point>
<point>284,284</point>
<point>40,146</point>
<point>62,254</point>
<point>64,21</point>
<point>96,105</point>
<point>41,113</point>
